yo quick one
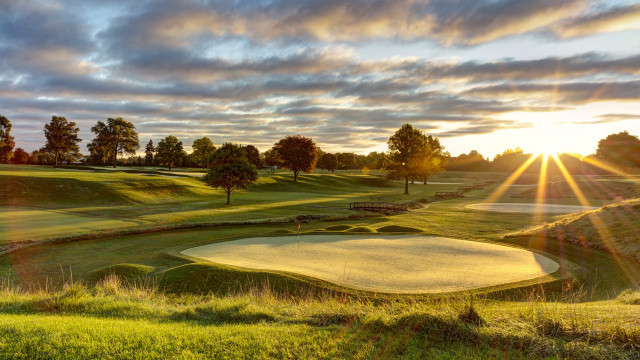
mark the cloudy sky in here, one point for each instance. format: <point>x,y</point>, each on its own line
<point>486,75</point>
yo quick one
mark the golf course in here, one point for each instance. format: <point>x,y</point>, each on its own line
<point>289,271</point>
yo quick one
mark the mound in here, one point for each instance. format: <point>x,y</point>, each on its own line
<point>593,189</point>
<point>339,227</point>
<point>361,229</point>
<point>621,229</point>
<point>223,280</point>
<point>127,272</point>
<point>283,231</point>
<point>398,229</point>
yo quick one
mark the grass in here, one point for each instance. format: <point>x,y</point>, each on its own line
<point>591,314</point>
<point>115,320</point>
<point>128,272</point>
<point>613,228</point>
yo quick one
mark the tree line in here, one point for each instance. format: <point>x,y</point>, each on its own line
<point>412,155</point>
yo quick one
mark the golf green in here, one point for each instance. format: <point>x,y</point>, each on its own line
<point>384,263</point>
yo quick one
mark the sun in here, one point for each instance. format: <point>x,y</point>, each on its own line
<point>549,138</point>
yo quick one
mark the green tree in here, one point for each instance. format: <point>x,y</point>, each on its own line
<point>328,162</point>
<point>406,148</point>
<point>346,161</point>
<point>621,149</point>
<point>6,141</point>
<point>20,156</point>
<point>271,158</point>
<point>169,151</point>
<point>62,138</point>
<point>231,170</point>
<point>202,150</point>
<point>115,137</point>
<point>149,150</point>
<point>510,160</point>
<point>253,155</point>
<point>297,153</point>
<point>433,161</point>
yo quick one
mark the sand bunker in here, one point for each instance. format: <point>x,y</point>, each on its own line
<point>394,264</point>
<point>529,208</point>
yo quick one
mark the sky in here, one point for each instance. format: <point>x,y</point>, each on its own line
<point>487,75</point>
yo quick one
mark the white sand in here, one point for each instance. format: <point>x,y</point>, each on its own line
<point>529,208</point>
<point>395,264</point>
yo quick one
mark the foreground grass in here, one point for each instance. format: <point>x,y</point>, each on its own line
<point>112,320</point>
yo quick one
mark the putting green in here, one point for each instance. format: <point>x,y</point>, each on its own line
<point>393,264</point>
<point>529,208</point>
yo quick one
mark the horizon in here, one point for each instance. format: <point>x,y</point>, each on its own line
<point>549,76</point>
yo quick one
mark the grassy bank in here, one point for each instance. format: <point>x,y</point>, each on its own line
<point>112,320</point>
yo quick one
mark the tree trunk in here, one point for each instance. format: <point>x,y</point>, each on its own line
<point>56,160</point>
<point>228,197</point>
<point>406,184</point>
<point>115,156</point>
<point>295,175</point>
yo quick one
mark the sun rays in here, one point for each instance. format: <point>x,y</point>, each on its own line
<point>545,160</point>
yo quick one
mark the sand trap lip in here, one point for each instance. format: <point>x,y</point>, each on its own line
<point>384,263</point>
<point>529,208</point>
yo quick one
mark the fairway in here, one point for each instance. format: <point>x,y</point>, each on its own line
<point>529,208</point>
<point>391,264</point>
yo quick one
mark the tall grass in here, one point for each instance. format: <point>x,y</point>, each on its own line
<point>336,327</point>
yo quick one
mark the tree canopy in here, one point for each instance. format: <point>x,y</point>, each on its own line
<point>432,161</point>
<point>149,150</point>
<point>253,155</point>
<point>297,153</point>
<point>6,141</point>
<point>328,162</point>
<point>169,151</point>
<point>407,147</point>
<point>62,138</point>
<point>202,150</point>
<point>115,137</point>
<point>20,156</point>
<point>231,170</point>
<point>621,149</point>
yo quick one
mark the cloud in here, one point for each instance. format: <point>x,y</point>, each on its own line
<point>570,93</point>
<point>608,20</point>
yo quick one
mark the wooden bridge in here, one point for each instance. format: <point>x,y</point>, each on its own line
<point>449,195</point>
<point>377,206</point>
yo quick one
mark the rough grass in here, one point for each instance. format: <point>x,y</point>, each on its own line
<point>629,297</point>
<point>613,228</point>
<point>116,320</point>
<point>128,272</point>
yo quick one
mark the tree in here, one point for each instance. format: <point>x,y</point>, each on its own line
<point>297,154</point>
<point>202,150</point>
<point>346,160</point>
<point>149,150</point>
<point>62,138</point>
<point>253,155</point>
<point>433,161</point>
<point>328,162</point>
<point>6,141</point>
<point>20,156</point>
<point>406,147</point>
<point>622,149</point>
<point>116,137</point>
<point>271,158</point>
<point>474,161</point>
<point>510,160</point>
<point>231,169</point>
<point>169,151</point>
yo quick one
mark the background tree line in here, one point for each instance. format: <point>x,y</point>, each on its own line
<point>116,138</point>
